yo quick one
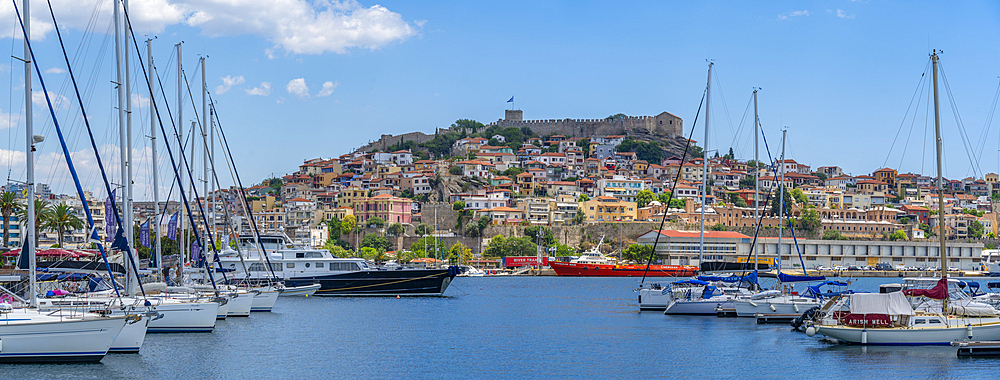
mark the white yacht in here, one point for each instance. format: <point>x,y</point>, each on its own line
<point>30,335</point>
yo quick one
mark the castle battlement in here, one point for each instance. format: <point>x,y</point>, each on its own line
<point>663,124</point>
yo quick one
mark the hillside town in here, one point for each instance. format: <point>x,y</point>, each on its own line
<point>478,181</point>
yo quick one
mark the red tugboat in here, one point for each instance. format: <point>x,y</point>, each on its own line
<point>593,263</point>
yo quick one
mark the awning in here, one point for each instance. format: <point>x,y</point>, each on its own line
<point>894,303</point>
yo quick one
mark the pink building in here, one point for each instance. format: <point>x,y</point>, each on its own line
<point>391,209</point>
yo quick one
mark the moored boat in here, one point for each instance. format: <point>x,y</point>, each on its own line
<point>611,270</point>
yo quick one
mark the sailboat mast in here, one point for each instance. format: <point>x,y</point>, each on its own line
<point>781,200</point>
<point>158,252</point>
<point>940,181</point>
<point>204,137</point>
<point>181,240</point>
<point>756,174</point>
<point>28,243</point>
<point>704,169</point>
<point>123,147</point>
<point>127,209</point>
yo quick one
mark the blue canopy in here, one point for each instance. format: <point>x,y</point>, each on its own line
<point>751,278</point>
<point>792,278</point>
<point>815,292</point>
<point>709,292</point>
<point>690,281</point>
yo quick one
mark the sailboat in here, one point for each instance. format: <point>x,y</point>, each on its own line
<point>901,317</point>
<point>28,334</point>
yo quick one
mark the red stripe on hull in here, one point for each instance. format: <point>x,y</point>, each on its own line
<point>606,270</point>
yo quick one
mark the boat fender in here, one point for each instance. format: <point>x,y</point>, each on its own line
<point>864,336</point>
<point>810,331</point>
<point>752,304</point>
<point>796,307</point>
<point>968,331</point>
<point>773,309</point>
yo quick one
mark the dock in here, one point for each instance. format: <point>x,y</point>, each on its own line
<point>775,318</point>
<point>978,349</point>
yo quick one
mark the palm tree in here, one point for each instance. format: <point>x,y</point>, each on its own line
<point>60,219</point>
<point>8,205</point>
<point>42,211</point>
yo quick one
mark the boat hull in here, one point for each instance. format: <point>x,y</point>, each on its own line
<point>653,299</point>
<point>264,301</point>
<point>403,282</point>
<point>181,317</point>
<point>130,339</point>
<point>55,341</point>
<point>697,307</point>
<point>239,306</point>
<point>909,336</point>
<point>608,270</point>
<point>744,308</point>
<point>306,291</point>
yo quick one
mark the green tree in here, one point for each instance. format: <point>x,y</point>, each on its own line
<point>644,150</point>
<point>376,241</point>
<point>348,224</point>
<point>975,229</point>
<point>582,198</point>
<point>719,227</point>
<point>637,252</point>
<point>376,221</point>
<point>336,250</point>
<point>730,155</point>
<point>898,235</point>
<point>8,206</point>
<point>61,218</point>
<point>368,253</point>
<point>333,228</point>
<point>617,116</point>
<point>822,177</point>
<point>512,172</point>
<point>776,204</point>
<point>458,205</point>
<point>423,229</point>
<point>468,125</point>
<point>833,235</point>
<point>42,211</point>
<point>455,170</point>
<point>644,197</point>
<point>580,216</point>
<point>810,220</point>
<point>459,253</point>
<point>799,196</point>
<point>563,250</point>
<point>533,233</point>
<point>396,230</point>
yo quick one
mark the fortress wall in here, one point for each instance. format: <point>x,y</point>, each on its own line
<point>389,140</point>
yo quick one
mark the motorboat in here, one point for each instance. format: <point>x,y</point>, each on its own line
<point>698,297</point>
<point>304,266</point>
<point>305,290</point>
<point>471,271</point>
<point>775,302</point>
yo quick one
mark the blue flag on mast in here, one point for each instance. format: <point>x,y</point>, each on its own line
<point>195,252</point>
<point>511,100</point>
<point>109,218</point>
<point>172,227</point>
<point>144,234</point>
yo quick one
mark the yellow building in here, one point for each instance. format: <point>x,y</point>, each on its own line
<point>349,195</point>
<point>265,203</point>
<point>607,209</point>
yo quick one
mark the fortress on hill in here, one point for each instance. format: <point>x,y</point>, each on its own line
<point>664,124</point>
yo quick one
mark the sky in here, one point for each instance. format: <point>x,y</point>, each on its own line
<point>297,79</point>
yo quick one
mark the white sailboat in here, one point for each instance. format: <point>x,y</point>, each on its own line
<point>27,334</point>
<point>936,316</point>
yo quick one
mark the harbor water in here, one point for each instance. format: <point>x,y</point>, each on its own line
<point>506,327</point>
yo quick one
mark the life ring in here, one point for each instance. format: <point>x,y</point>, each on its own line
<point>73,288</point>
<point>6,298</point>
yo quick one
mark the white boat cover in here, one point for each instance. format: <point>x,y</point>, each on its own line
<point>894,303</point>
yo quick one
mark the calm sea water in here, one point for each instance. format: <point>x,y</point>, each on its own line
<point>515,327</point>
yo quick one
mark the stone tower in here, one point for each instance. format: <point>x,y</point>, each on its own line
<point>513,115</point>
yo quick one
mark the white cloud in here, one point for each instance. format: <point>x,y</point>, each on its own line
<point>785,16</point>
<point>296,26</point>
<point>842,14</point>
<point>328,88</point>
<point>298,88</point>
<point>228,82</point>
<point>139,101</point>
<point>55,70</point>
<point>8,120</point>
<point>58,101</point>
<point>263,90</point>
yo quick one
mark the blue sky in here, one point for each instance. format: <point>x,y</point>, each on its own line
<point>838,74</point>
